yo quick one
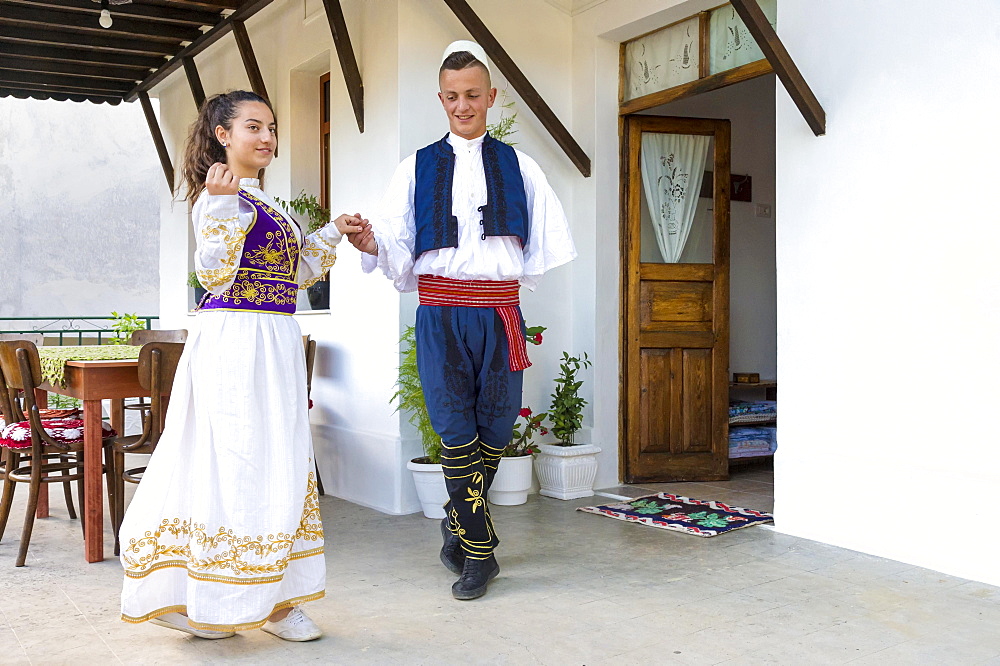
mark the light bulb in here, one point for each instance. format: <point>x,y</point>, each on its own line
<point>105,19</point>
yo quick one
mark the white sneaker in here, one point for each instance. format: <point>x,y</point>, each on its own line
<point>295,627</point>
<point>180,623</point>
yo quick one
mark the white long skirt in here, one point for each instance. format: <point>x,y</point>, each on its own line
<point>225,525</point>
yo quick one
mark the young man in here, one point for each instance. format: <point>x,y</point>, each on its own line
<point>466,221</point>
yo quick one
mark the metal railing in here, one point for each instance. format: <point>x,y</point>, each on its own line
<point>77,330</point>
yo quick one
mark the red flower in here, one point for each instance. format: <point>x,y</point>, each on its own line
<point>538,338</point>
<point>544,431</point>
<point>525,412</point>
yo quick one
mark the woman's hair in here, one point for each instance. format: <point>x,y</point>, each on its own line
<point>462,60</point>
<point>203,149</point>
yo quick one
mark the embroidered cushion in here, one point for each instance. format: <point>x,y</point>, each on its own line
<point>67,431</point>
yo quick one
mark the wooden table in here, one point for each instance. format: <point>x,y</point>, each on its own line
<point>91,382</point>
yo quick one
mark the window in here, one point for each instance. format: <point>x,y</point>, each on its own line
<point>324,140</point>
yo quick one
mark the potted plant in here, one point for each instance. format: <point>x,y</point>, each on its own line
<point>427,474</point>
<point>199,291</point>
<point>319,217</point>
<point>513,478</point>
<point>566,470</point>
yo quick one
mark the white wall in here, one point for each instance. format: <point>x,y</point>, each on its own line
<point>888,308</point>
<point>80,215</point>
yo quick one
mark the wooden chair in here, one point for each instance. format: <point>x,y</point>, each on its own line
<point>49,447</point>
<point>310,349</point>
<point>11,412</point>
<point>139,338</point>
<point>157,366</point>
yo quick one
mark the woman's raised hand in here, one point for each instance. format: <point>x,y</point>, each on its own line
<point>220,180</point>
<point>349,224</point>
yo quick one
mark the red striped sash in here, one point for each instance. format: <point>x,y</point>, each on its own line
<point>502,296</point>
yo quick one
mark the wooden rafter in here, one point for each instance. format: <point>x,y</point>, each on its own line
<point>109,43</point>
<point>62,67</point>
<point>245,11</point>
<point>781,61</point>
<point>144,12</point>
<point>198,4</point>
<point>63,82</point>
<point>520,82</point>
<point>80,22</point>
<point>249,59</point>
<point>69,54</point>
<point>194,81</point>
<point>161,145</point>
<point>348,63</point>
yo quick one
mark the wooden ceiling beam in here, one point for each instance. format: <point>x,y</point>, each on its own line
<point>40,92</point>
<point>142,12</point>
<point>161,145</point>
<point>80,22</point>
<point>63,82</point>
<point>194,81</point>
<point>246,10</point>
<point>348,63</point>
<point>61,67</point>
<point>784,67</point>
<point>520,83</point>
<point>108,43</point>
<point>249,59</point>
<point>198,4</point>
<point>141,63</point>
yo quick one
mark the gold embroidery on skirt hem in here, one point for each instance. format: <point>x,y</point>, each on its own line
<point>246,626</point>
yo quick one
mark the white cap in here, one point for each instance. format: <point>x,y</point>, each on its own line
<point>471,47</point>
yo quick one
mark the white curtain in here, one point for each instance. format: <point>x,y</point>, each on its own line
<point>673,166</point>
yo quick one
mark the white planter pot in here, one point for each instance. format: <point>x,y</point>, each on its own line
<point>512,481</point>
<point>431,491</point>
<point>566,472</point>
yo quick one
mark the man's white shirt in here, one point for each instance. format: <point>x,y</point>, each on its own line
<point>495,258</point>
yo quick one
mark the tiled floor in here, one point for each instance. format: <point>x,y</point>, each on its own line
<point>575,589</point>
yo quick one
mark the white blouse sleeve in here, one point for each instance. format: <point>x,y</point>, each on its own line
<point>549,242</point>
<point>318,254</point>
<point>220,229</point>
<point>395,230</point>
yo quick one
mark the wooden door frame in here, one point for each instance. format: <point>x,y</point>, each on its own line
<point>630,131</point>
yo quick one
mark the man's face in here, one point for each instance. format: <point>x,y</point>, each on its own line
<point>466,95</point>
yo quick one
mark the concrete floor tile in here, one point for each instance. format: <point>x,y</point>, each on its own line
<point>574,589</point>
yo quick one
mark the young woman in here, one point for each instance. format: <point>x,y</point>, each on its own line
<point>224,532</point>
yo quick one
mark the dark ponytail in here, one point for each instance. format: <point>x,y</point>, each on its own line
<point>203,149</point>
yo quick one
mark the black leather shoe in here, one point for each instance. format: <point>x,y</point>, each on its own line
<point>476,574</point>
<point>452,555</point>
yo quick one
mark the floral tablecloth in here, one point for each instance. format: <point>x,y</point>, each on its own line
<point>54,358</point>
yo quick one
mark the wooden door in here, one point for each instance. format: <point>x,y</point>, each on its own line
<point>676,324</point>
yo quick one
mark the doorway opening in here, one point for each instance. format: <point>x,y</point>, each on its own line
<point>699,301</point>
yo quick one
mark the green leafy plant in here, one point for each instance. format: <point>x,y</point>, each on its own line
<point>58,401</point>
<point>308,205</point>
<point>504,126</point>
<point>566,410</point>
<point>410,395</point>
<point>522,444</point>
<point>124,325</point>
<point>193,280</point>
<point>533,334</point>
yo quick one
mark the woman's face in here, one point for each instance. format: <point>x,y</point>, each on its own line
<point>250,140</point>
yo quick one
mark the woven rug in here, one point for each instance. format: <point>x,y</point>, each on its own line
<point>682,514</point>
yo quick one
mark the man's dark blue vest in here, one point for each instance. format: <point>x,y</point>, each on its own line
<point>506,209</point>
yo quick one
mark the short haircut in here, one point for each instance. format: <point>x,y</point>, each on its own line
<point>462,60</point>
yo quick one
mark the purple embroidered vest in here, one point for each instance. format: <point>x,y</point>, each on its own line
<point>265,280</point>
